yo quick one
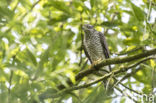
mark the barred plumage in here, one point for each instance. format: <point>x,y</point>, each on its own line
<point>95,45</point>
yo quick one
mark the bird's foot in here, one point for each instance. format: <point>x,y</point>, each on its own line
<point>96,62</point>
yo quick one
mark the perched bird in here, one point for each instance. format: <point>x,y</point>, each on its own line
<point>96,49</point>
<point>95,45</point>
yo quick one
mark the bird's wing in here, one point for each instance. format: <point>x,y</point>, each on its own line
<point>105,47</point>
<point>86,53</point>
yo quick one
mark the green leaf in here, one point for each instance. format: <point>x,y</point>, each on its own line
<point>60,18</point>
<point>31,56</point>
<point>111,24</point>
<point>26,3</point>
<point>139,14</point>
<point>62,6</point>
<point>44,57</point>
<point>97,95</point>
<point>5,13</point>
<point>144,75</point>
<point>92,2</point>
<point>91,96</point>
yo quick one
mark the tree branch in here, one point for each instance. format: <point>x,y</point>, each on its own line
<point>68,90</point>
<point>117,60</point>
<point>109,61</point>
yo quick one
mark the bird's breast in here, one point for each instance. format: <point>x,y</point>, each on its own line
<point>94,48</point>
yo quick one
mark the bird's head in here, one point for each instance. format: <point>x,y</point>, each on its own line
<point>88,29</point>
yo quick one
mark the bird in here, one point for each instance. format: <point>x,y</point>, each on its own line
<point>96,48</point>
<point>95,45</point>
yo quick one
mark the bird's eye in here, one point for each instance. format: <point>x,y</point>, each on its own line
<point>90,26</point>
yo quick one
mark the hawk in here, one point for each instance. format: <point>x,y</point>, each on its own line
<point>95,46</point>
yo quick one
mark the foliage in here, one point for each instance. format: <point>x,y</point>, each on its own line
<point>40,47</point>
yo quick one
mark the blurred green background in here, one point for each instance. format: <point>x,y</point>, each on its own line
<point>40,46</point>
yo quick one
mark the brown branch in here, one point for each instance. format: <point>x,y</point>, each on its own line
<point>117,60</point>
<point>132,73</point>
<point>44,96</point>
<point>106,76</point>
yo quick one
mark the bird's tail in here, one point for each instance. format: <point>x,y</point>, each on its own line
<point>109,83</point>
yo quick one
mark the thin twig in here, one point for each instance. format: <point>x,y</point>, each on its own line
<point>126,94</point>
<point>81,39</point>
<point>106,31</point>
<point>130,51</point>
<point>30,9</point>
<point>9,88</point>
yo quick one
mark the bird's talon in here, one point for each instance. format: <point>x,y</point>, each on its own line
<point>96,62</point>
